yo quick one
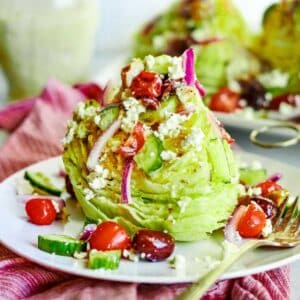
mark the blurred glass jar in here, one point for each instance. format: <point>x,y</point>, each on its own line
<point>46,39</point>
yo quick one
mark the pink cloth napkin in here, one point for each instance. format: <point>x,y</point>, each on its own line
<point>36,135</point>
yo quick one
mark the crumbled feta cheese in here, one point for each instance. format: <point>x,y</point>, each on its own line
<point>135,68</point>
<point>84,111</point>
<point>133,110</point>
<point>285,108</point>
<point>97,120</point>
<point>178,262</point>
<point>268,97</point>
<point>234,86</point>
<point>72,126</point>
<point>97,183</point>
<point>89,194</point>
<point>99,170</point>
<point>176,68</point>
<point>81,131</point>
<point>194,139</point>
<point>130,255</point>
<point>168,155</point>
<point>267,230</point>
<point>150,61</point>
<point>80,255</point>
<point>23,187</point>
<point>254,191</point>
<point>171,127</point>
<point>159,42</point>
<point>275,78</point>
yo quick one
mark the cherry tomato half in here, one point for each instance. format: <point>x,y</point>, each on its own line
<point>225,100</point>
<point>267,187</point>
<point>40,211</point>
<point>110,236</point>
<point>252,222</point>
<point>146,85</point>
<point>134,143</point>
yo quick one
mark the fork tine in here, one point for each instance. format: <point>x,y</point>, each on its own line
<point>287,216</point>
<point>277,220</point>
<point>294,227</point>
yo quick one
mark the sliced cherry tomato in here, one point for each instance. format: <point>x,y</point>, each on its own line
<point>225,100</point>
<point>267,187</point>
<point>289,99</point>
<point>134,143</point>
<point>90,90</point>
<point>40,211</point>
<point>110,236</point>
<point>146,85</point>
<point>252,222</point>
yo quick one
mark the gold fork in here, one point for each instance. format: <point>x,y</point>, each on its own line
<point>285,234</point>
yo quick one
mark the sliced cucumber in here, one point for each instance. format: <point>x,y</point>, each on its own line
<point>60,244</point>
<point>108,260</point>
<point>252,176</point>
<point>108,116</point>
<point>42,182</point>
<point>148,158</point>
<point>167,107</point>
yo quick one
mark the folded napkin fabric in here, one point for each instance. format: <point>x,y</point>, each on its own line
<point>36,134</point>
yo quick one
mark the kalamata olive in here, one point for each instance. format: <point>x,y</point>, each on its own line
<point>267,206</point>
<point>146,85</point>
<point>254,93</point>
<point>153,245</point>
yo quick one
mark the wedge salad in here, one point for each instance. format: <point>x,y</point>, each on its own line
<point>250,74</point>
<point>150,166</point>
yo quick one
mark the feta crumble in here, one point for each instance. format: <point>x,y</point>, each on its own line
<point>194,139</point>
<point>133,110</point>
<point>267,230</point>
<point>85,112</point>
<point>72,126</point>
<point>171,127</point>
<point>150,61</point>
<point>89,194</point>
<point>176,68</point>
<point>168,155</point>
<point>98,179</point>
<point>275,78</point>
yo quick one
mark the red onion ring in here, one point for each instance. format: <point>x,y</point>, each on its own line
<point>125,185</point>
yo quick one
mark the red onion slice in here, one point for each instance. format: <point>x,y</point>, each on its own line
<point>200,88</point>
<point>58,202</point>
<point>125,185</point>
<point>100,144</point>
<point>87,232</point>
<point>275,177</point>
<point>230,232</point>
<point>189,66</point>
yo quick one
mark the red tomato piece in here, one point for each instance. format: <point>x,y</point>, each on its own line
<point>225,100</point>
<point>267,187</point>
<point>252,222</point>
<point>110,236</point>
<point>146,85</point>
<point>40,211</point>
<point>134,143</point>
<point>284,98</point>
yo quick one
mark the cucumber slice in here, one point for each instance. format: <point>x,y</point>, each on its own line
<point>108,260</point>
<point>252,176</point>
<point>60,244</point>
<point>148,158</point>
<point>167,107</point>
<point>42,182</point>
<point>108,116</point>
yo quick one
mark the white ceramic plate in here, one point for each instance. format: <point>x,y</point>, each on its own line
<point>21,237</point>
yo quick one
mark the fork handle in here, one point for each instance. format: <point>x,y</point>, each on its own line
<point>198,289</point>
